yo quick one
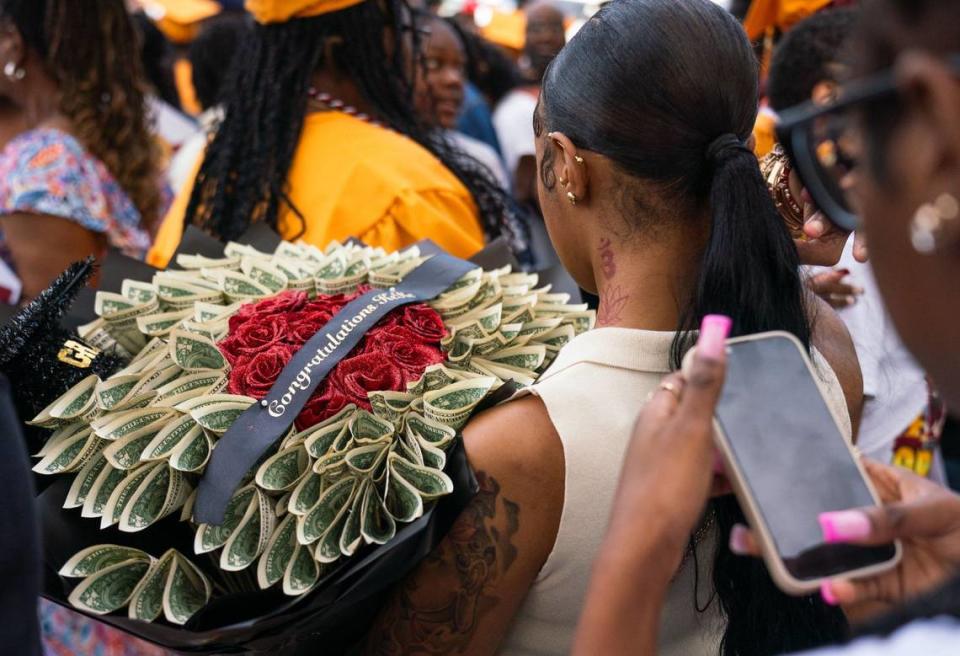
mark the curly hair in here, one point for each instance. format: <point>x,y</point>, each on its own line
<point>91,50</point>
<point>243,178</point>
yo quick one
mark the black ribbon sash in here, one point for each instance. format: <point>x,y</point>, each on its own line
<point>261,425</point>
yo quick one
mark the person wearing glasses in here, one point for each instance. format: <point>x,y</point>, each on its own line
<point>902,418</point>
<point>320,140</point>
<point>654,200</point>
<point>885,158</point>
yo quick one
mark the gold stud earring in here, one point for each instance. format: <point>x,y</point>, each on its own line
<point>929,228</point>
<point>572,197</point>
<point>564,182</point>
<point>578,159</point>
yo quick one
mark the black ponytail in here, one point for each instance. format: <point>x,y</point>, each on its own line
<point>667,91</point>
<point>750,265</point>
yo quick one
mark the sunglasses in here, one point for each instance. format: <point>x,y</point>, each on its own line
<point>826,145</point>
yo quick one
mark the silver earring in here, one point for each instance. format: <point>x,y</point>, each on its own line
<point>13,72</point>
<point>929,226</point>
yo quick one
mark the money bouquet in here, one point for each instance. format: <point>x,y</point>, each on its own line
<point>299,411</point>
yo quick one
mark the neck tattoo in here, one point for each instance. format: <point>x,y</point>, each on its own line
<point>613,297</point>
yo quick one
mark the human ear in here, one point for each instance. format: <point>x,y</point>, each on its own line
<point>570,167</point>
<point>12,48</point>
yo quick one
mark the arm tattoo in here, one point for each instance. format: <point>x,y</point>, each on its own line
<point>438,608</point>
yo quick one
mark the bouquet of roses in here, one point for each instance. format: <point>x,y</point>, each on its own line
<point>296,409</point>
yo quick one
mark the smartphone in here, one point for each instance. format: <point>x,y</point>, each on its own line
<point>788,461</point>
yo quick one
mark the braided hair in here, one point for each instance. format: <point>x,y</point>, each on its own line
<point>90,49</point>
<point>243,178</point>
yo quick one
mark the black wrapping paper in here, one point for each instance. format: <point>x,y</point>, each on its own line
<point>332,619</point>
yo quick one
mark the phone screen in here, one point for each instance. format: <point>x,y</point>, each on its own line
<point>792,456</point>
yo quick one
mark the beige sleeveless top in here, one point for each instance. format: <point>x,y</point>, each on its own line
<point>593,392</point>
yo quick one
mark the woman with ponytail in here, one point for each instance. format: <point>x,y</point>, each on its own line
<point>655,202</point>
<point>79,170</point>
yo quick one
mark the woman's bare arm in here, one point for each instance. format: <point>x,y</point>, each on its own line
<point>462,598</point>
<point>832,339</point>
<point>43,246</point>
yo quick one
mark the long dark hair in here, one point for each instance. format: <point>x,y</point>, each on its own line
<point>243,176</point>
<point>668,92</point>
<point>91,51</point>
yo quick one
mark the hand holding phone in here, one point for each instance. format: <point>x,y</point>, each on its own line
<point>789,462</point>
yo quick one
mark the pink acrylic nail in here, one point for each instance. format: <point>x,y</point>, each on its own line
<point>827,593</point>
<point>740,540</point>
<point>844,526</point>
<point>713,336</point>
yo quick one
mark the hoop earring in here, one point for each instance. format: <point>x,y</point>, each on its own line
<point>929,228</point>
<point>572,197</point>
<point>13,72</point>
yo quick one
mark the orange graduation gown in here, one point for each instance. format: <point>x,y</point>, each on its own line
<point>353,179</point>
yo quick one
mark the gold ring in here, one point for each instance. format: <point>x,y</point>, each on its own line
<point>670,387</point>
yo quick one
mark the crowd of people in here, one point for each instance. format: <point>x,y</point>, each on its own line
<point>645,147</point>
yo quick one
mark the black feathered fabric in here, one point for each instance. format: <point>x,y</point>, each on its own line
<point>31,341</point>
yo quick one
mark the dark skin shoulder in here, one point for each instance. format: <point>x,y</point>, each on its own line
<point>832,339</point>
<point>463,596</point>
<point>43,246</point>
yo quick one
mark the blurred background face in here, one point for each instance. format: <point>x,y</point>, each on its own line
<point>440,80</point>
<point>545,35</point>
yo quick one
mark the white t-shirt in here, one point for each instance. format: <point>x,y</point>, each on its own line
<point>894,385</point>
<point>483,154</point>
<point>513,121</point>
<point>937,637</point>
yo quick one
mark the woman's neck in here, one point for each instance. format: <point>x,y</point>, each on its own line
<point>343,89</point>
<point>645,286</point>
<point>36,104</point>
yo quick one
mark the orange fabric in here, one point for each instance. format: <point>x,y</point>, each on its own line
<point>183,79</point>
<point>280,11</point>
<point>506,29</point>
<point>781,14</point>
<point>353,179</point>
<point>179,20</point>
<point>764,131</point>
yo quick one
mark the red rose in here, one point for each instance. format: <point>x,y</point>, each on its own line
<point>368,372</point>
<point>391,332</point>
<point>409,355</point>
<point>254,375</point>
<point>304,325</point>
<point>288,301</point>
<point>238,320</point>
<point>423,321</point>
<point>324,403</point>
<point>257,334</point>
<point>389,322</point>
<point>331,304</point>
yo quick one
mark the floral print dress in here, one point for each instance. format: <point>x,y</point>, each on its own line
<point>47,171</point>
